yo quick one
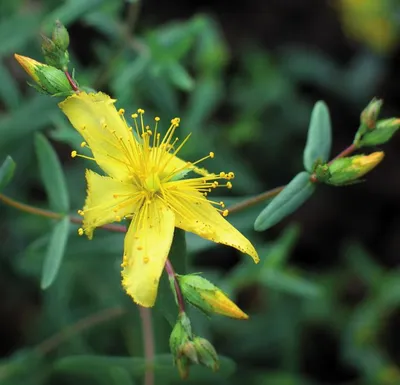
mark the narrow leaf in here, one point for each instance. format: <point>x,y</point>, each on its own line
<point>52,175</point>
<point>55,252</point>
<point>319,139</point>
<point>6,172</point>
<point>291,197</point>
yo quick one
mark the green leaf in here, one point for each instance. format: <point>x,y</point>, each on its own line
<point>55,252</point>
<point>180,77</point>
<point>290,198</point>
<point>70,11</point>
<point>52,174</point>
<point>98,366</point>
<point>319,139</point>
<point>289,283</point>
<point>6,172</point>
<point>9,92</point>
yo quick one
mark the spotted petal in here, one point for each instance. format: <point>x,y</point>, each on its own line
<point>147,245</point>
<point>108,200</point>
<point>95,117</point>
<point>194,214</point>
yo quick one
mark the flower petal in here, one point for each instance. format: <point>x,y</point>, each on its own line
<point>147,245</point>
<point>193,213</point>
<point>95,117</point>
<point>108,200</point>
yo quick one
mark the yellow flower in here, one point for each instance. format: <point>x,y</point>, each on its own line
<point>143,185</point>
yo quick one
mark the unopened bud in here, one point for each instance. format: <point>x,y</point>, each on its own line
<point>181,346</point>
<point>60,36</point>
<point>347,170</point>
<point>48,79</point>
<point>206,353</point>
<point>54,54</point>
<point>207,297</point>
<point>370,114</point>
<point>383,132</point>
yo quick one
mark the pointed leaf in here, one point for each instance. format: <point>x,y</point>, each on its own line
<point>319,139</point>
<point>6,172</point>
<point>52,175</point>
<point>289,199</point>
<point>55,252</point>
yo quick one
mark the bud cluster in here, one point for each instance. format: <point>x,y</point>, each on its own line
<point>189,349</point>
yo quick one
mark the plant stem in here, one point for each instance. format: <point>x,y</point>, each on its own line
<point>347,151</point>
<point>65,334</point>
<point>254,200</point>
<point>148,342</point>
<point>172,276</point>
<point>71,81</point>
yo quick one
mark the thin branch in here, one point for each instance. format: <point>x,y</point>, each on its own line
<point>71,81</point>
<point>88,322</point>
<point>148,342</point>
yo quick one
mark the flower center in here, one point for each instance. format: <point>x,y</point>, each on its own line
<point>152,183</point>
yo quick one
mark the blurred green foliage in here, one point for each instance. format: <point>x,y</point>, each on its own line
<point>84,327</point>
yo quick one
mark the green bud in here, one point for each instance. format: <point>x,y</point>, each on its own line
<point>206,353</point>
<point>181,346</point>
<point>370,114</point>
<point>60,36</point>
<point>54,55</point>
<point>47,79</point>
<point>368,120</point>
<point>345,171</point>
<point>207,297</point>
<point>383,132</point>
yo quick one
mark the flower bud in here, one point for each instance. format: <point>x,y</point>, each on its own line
<point>383,132</point>
<point>206,353</point>
<point>54,55</point>
<point>205,296</point>
<point>370,114</point>
<point>181,346</point>
<point>48,79</point>
<point>347,170</point>
<point>60,36</point>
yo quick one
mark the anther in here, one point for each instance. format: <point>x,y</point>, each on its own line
<point>157,119</point>
<point>225,213</point>
<point>228,184</point>
<point>222,174</point>
<point>134,116</point>
<point>140,111</point>
<point>222,204</point>
<point>83,144</point>
<point>212,155</point>
<point>74,154</point>
<point>80,231</point>
<point>81,213</point>
<point>121,111</point>
<point>231,175</point>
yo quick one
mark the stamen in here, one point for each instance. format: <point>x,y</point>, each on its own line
<point>83,144</point>
<point>80,231</point>
<point>81,213</point>
<point>212,155</point>
<point>225,213</point>
<point>121,111</point>
<point>229,185</point>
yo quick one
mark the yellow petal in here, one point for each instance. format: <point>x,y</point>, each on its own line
<point>94,116</point>
<point>108,200</point>
<point>147,245</point>
<point>193,213</point>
